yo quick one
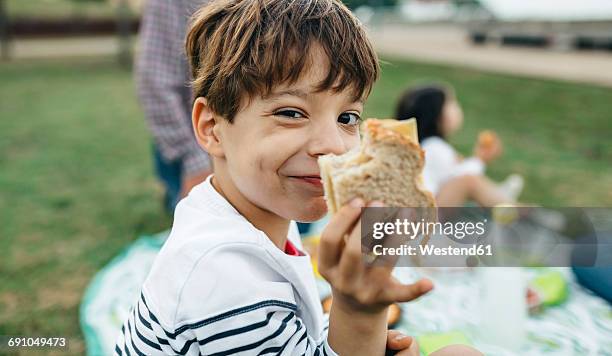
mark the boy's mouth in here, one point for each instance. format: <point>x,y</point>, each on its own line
<point>314,180</point>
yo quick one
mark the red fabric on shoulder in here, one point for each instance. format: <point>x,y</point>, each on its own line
<point>291,250</point>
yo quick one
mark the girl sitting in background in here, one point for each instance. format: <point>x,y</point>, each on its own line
<point>451,178</point>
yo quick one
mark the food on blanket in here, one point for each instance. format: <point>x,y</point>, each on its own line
<point>395,312</point>
<point>545,290</point>
<point>486,139</point>
<point>550,287</point>
<point>386,167</point>
<point>393,317</point>
<point>429,343</point>
<point>327,302</point>
<point>534,304</point>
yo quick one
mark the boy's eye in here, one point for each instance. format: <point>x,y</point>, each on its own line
<point>294,114</point>
<point>349,118</point>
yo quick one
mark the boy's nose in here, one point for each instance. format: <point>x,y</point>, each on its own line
<point>325,139</point>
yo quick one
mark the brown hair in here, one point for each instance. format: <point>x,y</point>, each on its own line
<point>246,47</point>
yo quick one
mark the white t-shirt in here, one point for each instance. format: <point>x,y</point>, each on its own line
<point>442,164</point>
<point>220,286</point>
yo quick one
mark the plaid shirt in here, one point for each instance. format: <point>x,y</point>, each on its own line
<point>162,76</point>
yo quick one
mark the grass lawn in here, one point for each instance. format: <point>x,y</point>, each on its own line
<point>77,185</point>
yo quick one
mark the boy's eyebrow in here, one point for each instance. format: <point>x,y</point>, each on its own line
<point>297,92</point>
<point>293,92</point>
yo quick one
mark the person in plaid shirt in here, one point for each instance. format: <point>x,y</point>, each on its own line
<point>162,77</point>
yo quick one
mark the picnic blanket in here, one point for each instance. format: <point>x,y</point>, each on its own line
<point>580,326</point>
<point>113,291</point>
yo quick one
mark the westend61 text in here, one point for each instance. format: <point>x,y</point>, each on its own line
<point>431,250</point>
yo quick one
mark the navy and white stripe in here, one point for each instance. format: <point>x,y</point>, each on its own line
<point>268,327</point>
<point>219,286</point>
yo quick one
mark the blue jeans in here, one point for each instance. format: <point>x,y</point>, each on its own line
<point>170,175</point>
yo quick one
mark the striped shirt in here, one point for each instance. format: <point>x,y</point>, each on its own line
<point>220,287</point>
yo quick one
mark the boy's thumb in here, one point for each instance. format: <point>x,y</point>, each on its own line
<point>397,340</point>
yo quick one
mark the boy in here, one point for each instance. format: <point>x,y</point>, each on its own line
<point>277,84</point>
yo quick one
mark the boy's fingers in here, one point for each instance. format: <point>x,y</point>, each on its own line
<point>333,235</point>
<point>398,292</point>
<point>379,276</point>
<point>412,350</point>
<point>397,340</point>
<point>351,265</point>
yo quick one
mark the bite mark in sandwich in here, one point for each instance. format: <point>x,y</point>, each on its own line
<point>386,167</point>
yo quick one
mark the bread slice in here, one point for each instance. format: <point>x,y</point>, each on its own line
<point>386,167</point>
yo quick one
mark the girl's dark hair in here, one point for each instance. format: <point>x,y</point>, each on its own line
<point>424,103</point>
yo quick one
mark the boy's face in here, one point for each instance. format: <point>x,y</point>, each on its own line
<point>270,151</point>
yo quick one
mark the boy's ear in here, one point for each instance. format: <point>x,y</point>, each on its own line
<point>206,126</point>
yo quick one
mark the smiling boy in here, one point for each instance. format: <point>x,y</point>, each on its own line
<point>277,83</point>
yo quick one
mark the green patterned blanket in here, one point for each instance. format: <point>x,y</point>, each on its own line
<point>580,326</point>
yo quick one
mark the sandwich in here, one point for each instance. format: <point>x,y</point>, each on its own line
<point>386,167</point>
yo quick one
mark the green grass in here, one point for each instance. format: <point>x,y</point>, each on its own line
<point>77,184</point>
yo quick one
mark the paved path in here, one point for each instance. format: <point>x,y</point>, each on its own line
<point>448,44</point>
<point>58,48</point>
<point>64,47</point>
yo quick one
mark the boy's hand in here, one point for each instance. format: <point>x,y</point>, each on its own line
<point>358,288</point>
<point>362,293</point>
